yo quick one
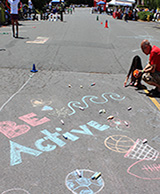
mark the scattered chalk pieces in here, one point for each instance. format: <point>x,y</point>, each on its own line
<point>78,172</point>
<point>96,175</point>
<point>110,117</point>
<point>81,86</point>
<point>65,137</point>
<point>62,122</point>
<point>93,84</point>
<point>125,122</point>
<point>144,141</point>
<point>129,108</point>
<point>100,111</point>
<point>81,108</point>
<point>69,85</point>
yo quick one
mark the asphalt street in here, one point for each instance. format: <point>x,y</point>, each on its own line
<point>72,127</point>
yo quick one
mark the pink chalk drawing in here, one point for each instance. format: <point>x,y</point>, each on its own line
<point>141,151</point>
<point>33,121</point>
<point>145,169</point>
<point>118,124</point>
<point>11,129</point>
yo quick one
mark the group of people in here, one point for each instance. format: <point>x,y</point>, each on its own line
<point>150,73</point>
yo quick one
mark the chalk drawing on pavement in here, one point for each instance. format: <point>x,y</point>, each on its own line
<point>156,139</point>
<point>119,124</point>
<point>11,129</point>
<point>142,150</point>
<point>119,143</point>
<point>145,169</point>
<point>63,112</point>
<point>40,102</point>
<point>93,99</point>
<point>84,184</point>
<point>15,190</point>
<point>47,108</point>
<point>38,40</point>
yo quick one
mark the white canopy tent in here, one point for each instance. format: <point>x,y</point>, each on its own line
<point>122,3</point>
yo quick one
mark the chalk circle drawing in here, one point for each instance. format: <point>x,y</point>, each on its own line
<point>118,124</point>
<point>63,112</point>
<point>141,151</point>
<point>119,143</point>
<point>15,191</point>
<point>93,99</point>
<point>40,102</point>
<point>145,169</point>
<point>84,184</point>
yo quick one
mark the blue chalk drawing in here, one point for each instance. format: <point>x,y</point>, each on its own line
<point>85,131</point>
<point>15,152</point>
<point>46,108</point>
<point>47,148</point>
<point>83,184</point>
<point>98,126</point>
<point>53,137</point>
<point>70,136</point>
<point>77,104</point>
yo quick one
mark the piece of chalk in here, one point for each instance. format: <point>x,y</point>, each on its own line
<point>144,141</point>
<point>93,177</point>
<point>98,175</point>
<point>110,117</point>
<point>100,111</point>
<point>129,108</point>
<point>81,86</point>
<point>81,108</point>
<point>104,111</point>
<point>62,122</point>
<point>78,172</point>
<point>69,85</point>
<point>93,84</point>
<point>126,123</point>
<point>65,137</point>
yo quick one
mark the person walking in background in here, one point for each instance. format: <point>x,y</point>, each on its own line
<point>136,64</point>
<point>30,6</point>
<point>14,16</point>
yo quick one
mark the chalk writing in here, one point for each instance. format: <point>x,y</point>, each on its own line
<point>145,169</point>
<point>83,184</point>
<point>11,129</point>
<point>33,121</point>
<point>93,99</point>
<point>118,143</point>
<point>44,145</point>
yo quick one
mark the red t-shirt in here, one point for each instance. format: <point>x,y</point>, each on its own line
<point>155,57</point>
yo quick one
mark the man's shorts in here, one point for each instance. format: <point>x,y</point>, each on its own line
<point>151,77</point>
<point>14,16</point>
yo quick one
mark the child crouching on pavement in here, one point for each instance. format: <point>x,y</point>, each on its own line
<point>136,64</point>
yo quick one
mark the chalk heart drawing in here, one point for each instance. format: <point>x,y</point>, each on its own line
<point>11,129</point>
<point>83,184</point>
<point>145,169</point>
<point>15,191</point>
<point>119,143</point>
<point>93,99</point>
<point>40,102</point>
<point>119,124</point>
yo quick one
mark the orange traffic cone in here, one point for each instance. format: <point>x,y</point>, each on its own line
<point>106,24</point>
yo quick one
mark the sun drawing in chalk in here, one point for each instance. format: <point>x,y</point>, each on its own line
<point>83,184</point>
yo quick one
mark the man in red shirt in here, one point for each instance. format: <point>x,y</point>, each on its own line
<point>151,73</point>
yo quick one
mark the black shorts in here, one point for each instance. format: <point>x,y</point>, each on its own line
<point>14,16</point>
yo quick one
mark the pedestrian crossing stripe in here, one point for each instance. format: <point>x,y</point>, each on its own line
<point>38,40</point>
<point>153,100</point>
